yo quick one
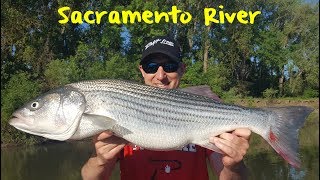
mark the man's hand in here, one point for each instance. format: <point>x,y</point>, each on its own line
<point>234,146</point>
<point>107,147</point>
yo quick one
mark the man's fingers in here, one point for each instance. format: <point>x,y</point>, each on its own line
<point>117,149</point>
<point>105,154</point>
<point>229,137</point>
<point>231,155</point>
<point>232,140</point>
<point>108,149</point>
<point>111,141</point>
<point>225,147</point>
<point>244,133</point>
<point>233,145</point>
<point>104,135</point>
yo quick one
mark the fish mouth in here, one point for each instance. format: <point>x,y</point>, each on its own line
<point>20,122</point>
<point>16,119</point>
<point>17,122</point>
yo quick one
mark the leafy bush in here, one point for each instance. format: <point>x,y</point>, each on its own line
<point>310,93</point>
<point>19,89</point>
<point>270,93</point>
<point>60,72</point>
<point>193,75</point>
<point>230,96</point>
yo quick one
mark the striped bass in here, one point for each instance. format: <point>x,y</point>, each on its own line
<point>154,118</point>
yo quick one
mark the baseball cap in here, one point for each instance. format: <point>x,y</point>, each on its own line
<point>164,45</point>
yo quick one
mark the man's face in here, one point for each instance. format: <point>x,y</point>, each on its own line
<point>161,78</point>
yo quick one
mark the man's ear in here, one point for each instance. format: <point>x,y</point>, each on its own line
<point>183,68</point>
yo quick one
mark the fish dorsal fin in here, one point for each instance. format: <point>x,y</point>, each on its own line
<point>202,90</point>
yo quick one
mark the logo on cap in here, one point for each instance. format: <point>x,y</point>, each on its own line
<point>161,41</point>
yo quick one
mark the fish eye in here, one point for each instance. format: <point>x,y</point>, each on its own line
<point>35,105</point>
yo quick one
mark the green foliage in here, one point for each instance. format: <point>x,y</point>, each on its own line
<point>96,70</point>
<point>217,78</point>
<point>311,93</point>
<point>230,96</point>
<point>270,93</point>
<point>60,72</point>
<point>295,86</point>
<point>193,75</point>
<point>18,90</point>
<point>242,88</point>
<point>117,67</point>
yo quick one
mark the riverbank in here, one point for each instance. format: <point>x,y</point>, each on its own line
<point>259,102</point>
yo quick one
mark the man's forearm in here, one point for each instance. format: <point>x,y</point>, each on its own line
<point>93,171</point>
<point>240,171</point>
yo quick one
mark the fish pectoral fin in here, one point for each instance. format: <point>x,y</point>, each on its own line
<point>208,145</point>
<point>91,125</point>
<point>106,123</point>
<point>121,131</point>
<point>99,121</point>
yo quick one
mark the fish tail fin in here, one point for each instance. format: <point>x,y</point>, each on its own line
<point>283,134</point>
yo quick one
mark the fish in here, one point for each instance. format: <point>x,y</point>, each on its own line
<point>154,118</point>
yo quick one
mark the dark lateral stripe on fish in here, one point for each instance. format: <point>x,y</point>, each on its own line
<point>170,95</point>
<point>182,115</point>
<point>167,106</point>
<point>172,114</point>
<point>164,98</point>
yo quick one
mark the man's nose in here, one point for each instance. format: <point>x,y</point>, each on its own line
<point>161,74</point>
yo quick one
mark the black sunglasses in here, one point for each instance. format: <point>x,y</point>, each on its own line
<point>152,67</point>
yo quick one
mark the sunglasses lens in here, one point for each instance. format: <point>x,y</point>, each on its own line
<point>150,67</point>
<point>170,67</point>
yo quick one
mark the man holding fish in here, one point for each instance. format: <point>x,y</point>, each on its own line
<point>161,66</point>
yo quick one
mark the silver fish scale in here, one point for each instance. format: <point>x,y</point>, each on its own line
<point>171,114</point>
<point>155,95</point>
<point>152,93</point>
<point>155,106</point>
